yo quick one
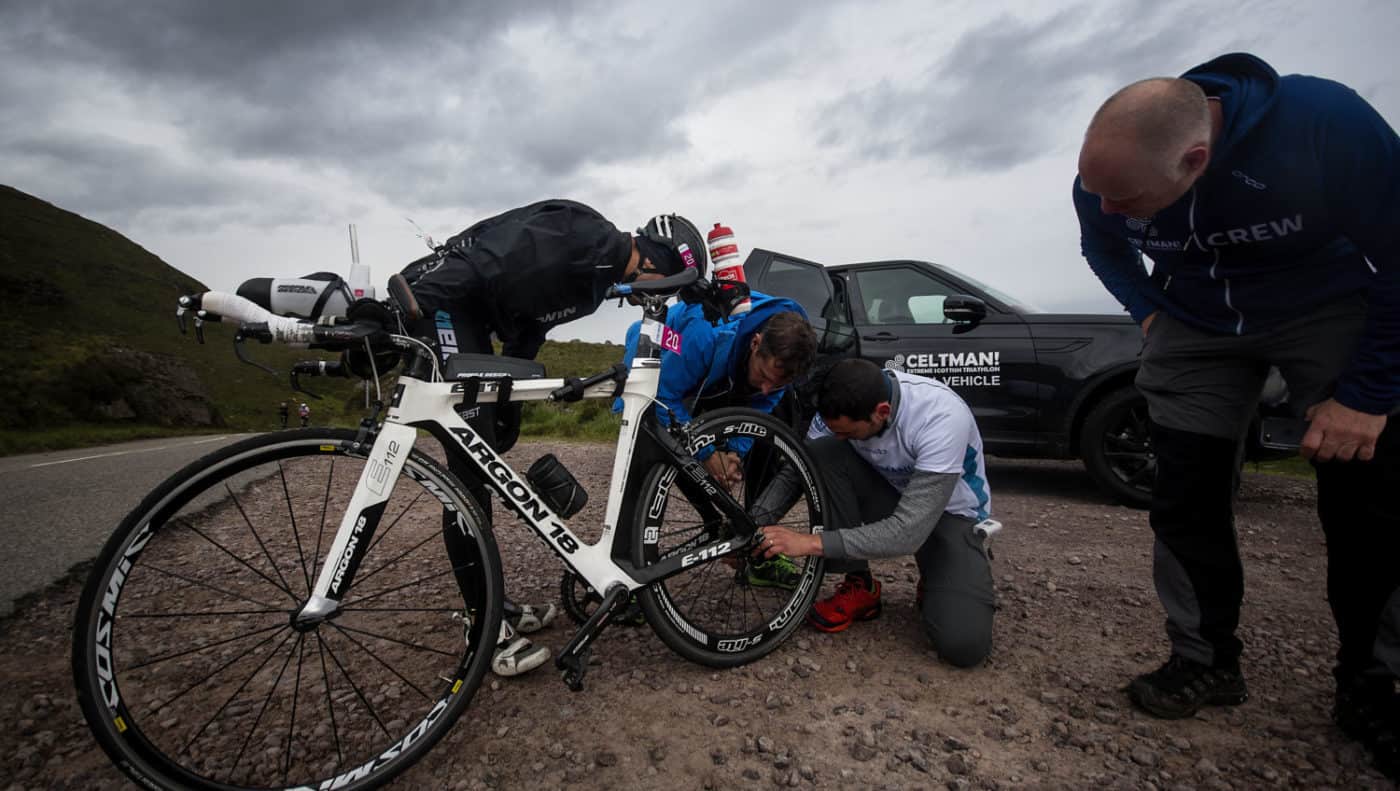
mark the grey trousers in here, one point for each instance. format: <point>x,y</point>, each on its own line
<point>958,594</point>
<point>1201,391</point>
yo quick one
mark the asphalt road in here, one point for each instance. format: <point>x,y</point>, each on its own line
<point>57,509</point>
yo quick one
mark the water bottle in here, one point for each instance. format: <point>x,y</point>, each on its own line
<point>310,297</point>
<point>724,257</point>
<point>360,284</point>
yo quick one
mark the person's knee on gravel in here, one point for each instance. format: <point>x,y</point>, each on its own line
<point>905,457</point>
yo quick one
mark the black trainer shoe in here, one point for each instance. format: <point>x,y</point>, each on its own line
<point>1183,687</point>
<point>1368,710</point>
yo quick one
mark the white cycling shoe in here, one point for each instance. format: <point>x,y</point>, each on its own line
<point>516,655</point>
<point>531,619</point>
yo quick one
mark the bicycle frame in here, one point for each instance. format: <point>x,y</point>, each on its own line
<point>417,403</point>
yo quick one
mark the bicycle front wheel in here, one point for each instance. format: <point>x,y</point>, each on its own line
<point>188,665</point>
<point>732,610</point>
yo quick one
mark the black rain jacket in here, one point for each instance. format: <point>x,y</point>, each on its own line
<point>524,271</point>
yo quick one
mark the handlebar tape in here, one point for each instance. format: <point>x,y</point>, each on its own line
<point>283,328</point>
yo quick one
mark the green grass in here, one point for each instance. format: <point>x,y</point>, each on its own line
<point>83,302</point>
<point>586,420</point>
<point>1294,466</point>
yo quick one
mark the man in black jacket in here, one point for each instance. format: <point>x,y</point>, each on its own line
<point>517,275</point>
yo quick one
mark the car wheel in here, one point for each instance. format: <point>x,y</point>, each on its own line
<point>1116,445</point>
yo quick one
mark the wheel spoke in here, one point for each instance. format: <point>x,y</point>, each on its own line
<point>363,700</point>
<point>258,538</point>
<point>330,701</point>
<point>325,508</point>
<point>205,614</point>
<point>348,636</point>
<point>403,609</point>
<point>387,639</point>
<point>418,581</point>
<point>188,651</point>
<point>296,694</point>
<point>216,672</point>
<point>202,584</point>
<point>386,530</point>
<point>395,559</point>
<point>286,591</point>
<point>263,710</point>
<point>301,556</point>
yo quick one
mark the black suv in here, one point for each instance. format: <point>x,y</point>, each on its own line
<point>1041,385</point>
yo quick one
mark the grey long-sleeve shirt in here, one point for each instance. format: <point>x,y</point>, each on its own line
<point>902,532</point>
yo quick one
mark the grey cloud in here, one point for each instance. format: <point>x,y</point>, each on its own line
<point>997,96</point>
<point>121,181</point>
<point>428,105</point>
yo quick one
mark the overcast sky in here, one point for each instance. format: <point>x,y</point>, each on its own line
<point>238,139</point>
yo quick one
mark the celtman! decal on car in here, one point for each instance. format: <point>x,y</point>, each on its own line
<point>970,369</point>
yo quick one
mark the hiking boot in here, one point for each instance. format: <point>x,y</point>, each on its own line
<point>1368,710</point>
<point>853,601</point>
<point>1182,687</point>
<point>776,572</point>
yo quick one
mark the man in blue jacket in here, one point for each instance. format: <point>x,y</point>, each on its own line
<point>1270,207</point>
<point>745,361</point>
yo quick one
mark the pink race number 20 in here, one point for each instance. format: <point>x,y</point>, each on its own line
<point>670,340</point>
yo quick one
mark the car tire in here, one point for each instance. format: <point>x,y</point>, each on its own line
<point>1115,443</point>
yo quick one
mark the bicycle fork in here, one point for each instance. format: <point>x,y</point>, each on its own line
<point>386,459</point>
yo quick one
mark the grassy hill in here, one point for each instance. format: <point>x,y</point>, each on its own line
<point>92,352</point>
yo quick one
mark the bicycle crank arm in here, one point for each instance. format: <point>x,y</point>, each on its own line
<point>573,659</point>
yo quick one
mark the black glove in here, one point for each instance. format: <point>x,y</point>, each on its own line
<point>357,360</point>
<point>717,299</point>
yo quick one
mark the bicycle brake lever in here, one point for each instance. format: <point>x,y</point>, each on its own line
<point>243,358</point>
<point>296,385</point>
<point>187,304</point>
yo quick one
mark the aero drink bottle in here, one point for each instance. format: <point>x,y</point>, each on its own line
<point>724,257</point>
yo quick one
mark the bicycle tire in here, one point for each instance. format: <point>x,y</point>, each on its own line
<point>693,612</point>
<point>192,565</point>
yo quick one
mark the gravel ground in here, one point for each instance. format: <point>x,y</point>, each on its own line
<point>871,707</point>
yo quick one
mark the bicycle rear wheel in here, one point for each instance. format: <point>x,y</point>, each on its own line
<point>728,612</point>
<point>187,665</point>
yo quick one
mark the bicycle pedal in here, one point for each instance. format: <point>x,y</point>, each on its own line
<point>574,668</point>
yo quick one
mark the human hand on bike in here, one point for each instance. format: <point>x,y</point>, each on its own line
<point>782,541</point>
<point>724,467</point>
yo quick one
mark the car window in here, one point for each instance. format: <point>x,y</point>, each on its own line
<point>1018,305</point>
<point>804,284</point>
<point>902,296</point>
<point>927,309</point>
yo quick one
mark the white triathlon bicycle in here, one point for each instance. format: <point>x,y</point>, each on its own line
<point>221,642</point>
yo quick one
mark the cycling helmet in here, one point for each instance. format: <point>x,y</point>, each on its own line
<point>673,243</point>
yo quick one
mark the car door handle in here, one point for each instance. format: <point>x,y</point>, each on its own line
<point>881,336</point>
